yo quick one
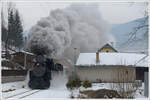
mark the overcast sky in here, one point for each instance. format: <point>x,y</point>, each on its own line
<point>112,12</point>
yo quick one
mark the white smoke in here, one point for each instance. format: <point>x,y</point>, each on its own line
<point>51,34</point>
<point>79,26</point>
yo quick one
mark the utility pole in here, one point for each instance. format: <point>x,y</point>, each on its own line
<point>75,62</point>
<point>25,55</point>
<point>25,60</point>
<point>146,85</point>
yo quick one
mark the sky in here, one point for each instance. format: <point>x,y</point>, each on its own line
<point>112,12</point>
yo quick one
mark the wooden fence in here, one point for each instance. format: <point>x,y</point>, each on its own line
<point>14,72</point>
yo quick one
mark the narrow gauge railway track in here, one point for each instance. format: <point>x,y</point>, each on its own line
<point>23,94</point>
<point>18,94</point>
<point>29,94</point>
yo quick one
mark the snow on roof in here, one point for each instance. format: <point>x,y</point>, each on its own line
<point>29,53</point>
<point>87,59</point>
<point>25,52</point>
<point>144,60</point>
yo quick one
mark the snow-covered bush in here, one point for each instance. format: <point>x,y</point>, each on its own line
<point>73,83</point>
<point>87,84</point>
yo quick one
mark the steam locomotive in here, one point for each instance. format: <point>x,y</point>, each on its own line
<point>40,75</point>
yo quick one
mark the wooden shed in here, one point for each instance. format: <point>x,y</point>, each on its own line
<point>110,67</point>
<point>23,58</point>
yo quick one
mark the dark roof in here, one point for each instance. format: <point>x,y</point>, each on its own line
<point>108,46</point>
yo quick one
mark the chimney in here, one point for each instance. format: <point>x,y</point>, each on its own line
<point>142,51</point>
<point>97,57</point>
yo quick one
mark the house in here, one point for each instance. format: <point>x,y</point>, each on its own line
<point>107,48</point>
<point>111,67</point>
<point>23,58</point>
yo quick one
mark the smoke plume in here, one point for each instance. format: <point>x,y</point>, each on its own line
<point>79,26</point>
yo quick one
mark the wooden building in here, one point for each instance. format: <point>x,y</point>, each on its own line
<point>110,67</point>
<point>23,58</point>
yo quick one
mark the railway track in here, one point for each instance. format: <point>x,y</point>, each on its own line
<point>29,94</point>
<point>23,94</point>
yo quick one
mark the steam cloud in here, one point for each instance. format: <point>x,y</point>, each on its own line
<point>78,26</point>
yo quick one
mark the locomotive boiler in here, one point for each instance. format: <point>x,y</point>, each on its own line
<point>40,76</point>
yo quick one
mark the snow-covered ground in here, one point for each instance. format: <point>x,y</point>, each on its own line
<point>96,86</point>
<point>57,90</point>
<point>9,89</point>
<point>13,85</point>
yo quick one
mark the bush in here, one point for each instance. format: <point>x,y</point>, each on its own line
<point>101,93</point>
<point>87,84</point>
<point>73,83</point>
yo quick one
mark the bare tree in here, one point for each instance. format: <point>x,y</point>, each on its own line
<point>143,24</point>
<point>125,85</point>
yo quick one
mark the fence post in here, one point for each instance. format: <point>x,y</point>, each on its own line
<point>25,60</point>
<point>146,86</point>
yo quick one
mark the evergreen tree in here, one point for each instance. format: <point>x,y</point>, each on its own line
<point>11,31</point>
<point>15,29</point>
<point>4,33</point>
<point>11,22</point>
<point>3,28</point>
<point>18,30</point>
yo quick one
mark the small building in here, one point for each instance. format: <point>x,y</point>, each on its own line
<point>107,48</point>
<point>23,58</point>
<point>111,67</point>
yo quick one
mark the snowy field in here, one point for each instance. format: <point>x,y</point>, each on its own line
<point>57,90</point>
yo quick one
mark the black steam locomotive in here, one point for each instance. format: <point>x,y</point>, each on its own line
<point>40,75</point>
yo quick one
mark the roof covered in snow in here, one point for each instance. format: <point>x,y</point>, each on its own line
<point>24,52</point>
<point>127,59</point>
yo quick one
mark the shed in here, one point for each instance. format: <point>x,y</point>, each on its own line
<point>23,58</point>
<point>110,67</point>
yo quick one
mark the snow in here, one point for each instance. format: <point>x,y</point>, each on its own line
<point>29,53</point>
<point>12,85</point>
<point>5,68</point>
<point>58,89</point>
<point>112,59</point>
<point>25,52</point>
<point>4,59</point>
<point>96,86</point>
<point>143,61</point>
